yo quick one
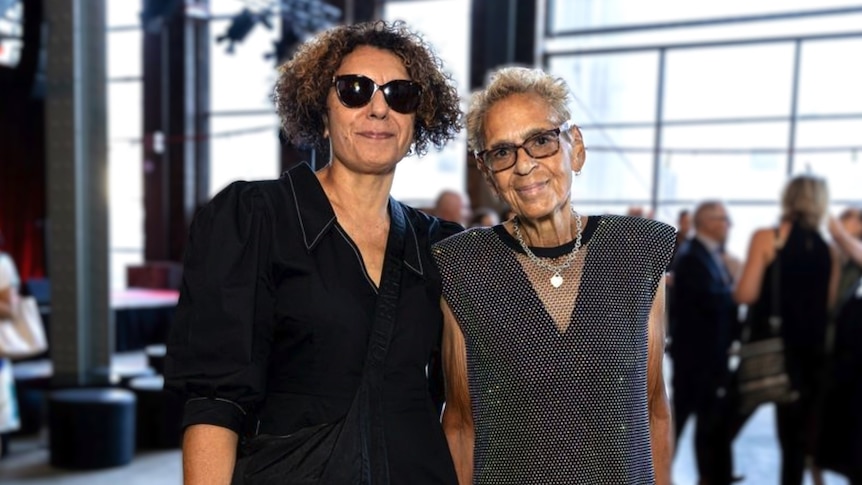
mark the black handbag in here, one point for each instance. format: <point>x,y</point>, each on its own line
<point>761,376</point>
<point>352,450</point>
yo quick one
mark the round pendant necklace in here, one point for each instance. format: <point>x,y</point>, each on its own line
<point>557,278</point>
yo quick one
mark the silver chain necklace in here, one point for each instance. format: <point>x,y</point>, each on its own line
<point>557,278</point>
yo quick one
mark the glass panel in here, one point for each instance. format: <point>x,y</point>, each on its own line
<point>243,80</point>
<point>726,137</point>
<point>123,14</point>
<point>820,134</point>
<point>701,34</point>
<point>124,54</point>
<point>11,33</point>
<point>126,223</point>
<point>419,181</point>
<point>124,113</point>
<point>125,175</point>
<point>603,89</point>
<point>126,196</point>
<point>579,14</point>
<point>723,161</point>
<point>829,81</point>
<point>613,171</point>
<point>842,171</point>
<point>243,149</point>
<point>729,82</point>
<point>745,177</point>
<point>831,149</point>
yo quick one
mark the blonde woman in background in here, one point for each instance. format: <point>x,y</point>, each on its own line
<point>808,281</point>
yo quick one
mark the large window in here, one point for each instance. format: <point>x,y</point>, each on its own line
<point>124,64</point>
<point>616,120</point>
<point>11,32</point>
<point>244,128</point>
<point>723,100</point>
<point>418,181</point>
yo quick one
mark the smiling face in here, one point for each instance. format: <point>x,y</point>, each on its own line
<point>372,138</point>
<point>535,189</point>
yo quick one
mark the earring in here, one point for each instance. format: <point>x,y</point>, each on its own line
<point>577,173</point>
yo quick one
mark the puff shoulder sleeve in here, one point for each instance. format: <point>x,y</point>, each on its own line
<point>221,335</point>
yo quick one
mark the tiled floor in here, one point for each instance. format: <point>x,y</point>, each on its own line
<point>28,465</point>
<point>755,451</point>
<point>756,457</point>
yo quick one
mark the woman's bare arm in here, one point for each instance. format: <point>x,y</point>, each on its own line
<point>209,455</point>
<point>659,408</point>
<point>760,251</point>
<point>834,275</point>
<point>6,303</point>
<point>458,413</point>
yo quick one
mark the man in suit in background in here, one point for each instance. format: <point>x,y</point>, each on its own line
<point>703,325</point>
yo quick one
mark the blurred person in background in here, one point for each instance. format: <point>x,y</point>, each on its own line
<point>702,327</point>
<point>808,282</point>
<point>683,230</point>
<point>839,446</point>
<point>850,221</point>
<point>484,217</point>
<point>554,335</point>
<point>282,279</point>
<point>452,206</point>
<point>683,227</point>
<point>10,283</point>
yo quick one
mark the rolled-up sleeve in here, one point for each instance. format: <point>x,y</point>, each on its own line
<point>222,332</point>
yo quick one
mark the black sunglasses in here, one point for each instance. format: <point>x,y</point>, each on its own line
<point>355,91</point>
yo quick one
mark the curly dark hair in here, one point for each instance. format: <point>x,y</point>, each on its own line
<point>303,83</point>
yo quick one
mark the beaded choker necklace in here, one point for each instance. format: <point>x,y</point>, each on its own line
<point>556,279</point>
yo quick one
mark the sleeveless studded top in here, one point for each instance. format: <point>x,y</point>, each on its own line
<point>558,376</point>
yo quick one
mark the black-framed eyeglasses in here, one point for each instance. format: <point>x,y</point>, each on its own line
<point>355,91</point>
<point>540,145</point>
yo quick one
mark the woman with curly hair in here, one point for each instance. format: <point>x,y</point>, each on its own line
<point>309,313</point>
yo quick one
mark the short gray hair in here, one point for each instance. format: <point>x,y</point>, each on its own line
<point>507,81</point>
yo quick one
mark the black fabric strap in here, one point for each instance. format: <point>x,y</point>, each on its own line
<point>367,408</point>
<point>389,291</point>
<point>385,314</point>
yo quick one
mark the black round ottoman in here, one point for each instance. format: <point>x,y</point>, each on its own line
<point>91,428</point>
<point>159,414</point>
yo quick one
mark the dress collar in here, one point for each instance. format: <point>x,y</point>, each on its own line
<point>316,216</point>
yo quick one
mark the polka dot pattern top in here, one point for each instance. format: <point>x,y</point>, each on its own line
<point>558,376</point>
